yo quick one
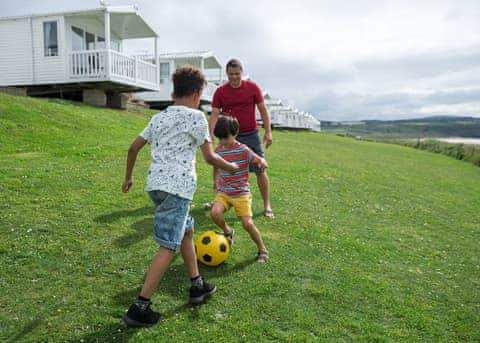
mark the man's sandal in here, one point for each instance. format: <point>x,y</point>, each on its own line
<point>262,256</point>
<point>268,214</point>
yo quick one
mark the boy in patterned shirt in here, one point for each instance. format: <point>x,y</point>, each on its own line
<point>174,135</point>
<point>233,189</point>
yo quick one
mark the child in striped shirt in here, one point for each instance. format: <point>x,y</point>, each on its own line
<point>233,189</point>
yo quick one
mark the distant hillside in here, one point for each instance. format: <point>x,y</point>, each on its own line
<point>430,127</point>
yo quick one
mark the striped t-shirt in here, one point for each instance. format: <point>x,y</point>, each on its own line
<point>234,184</point>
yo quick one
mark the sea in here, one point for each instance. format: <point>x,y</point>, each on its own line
<point>474,141</point>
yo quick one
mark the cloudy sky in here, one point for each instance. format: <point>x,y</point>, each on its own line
<point>339,60</point>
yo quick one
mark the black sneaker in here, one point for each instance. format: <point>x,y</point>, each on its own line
<point>199,294</point>
<point>136,317</point>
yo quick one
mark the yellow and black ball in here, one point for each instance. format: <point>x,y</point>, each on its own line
<point>212,248</point>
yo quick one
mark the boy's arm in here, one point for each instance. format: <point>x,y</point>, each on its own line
<point>212,158</point>
<point>136,146</point>
<point>259,161</point>
<point>216,172</point>
<point>213,120</point>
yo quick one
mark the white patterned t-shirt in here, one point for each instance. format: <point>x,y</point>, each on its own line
<point>174,135</point>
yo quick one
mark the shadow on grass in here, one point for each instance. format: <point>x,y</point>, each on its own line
<point>27,329</point>
<point>141,230</point>
<point>258,215</point>
<point>118,332</point>
<point>202,219</point>
<point>125,298</point>
<point>115,332</point>
<point>224,269</point>
<point>111,217</point>
<point>176,283</point>
<point>171,284</point>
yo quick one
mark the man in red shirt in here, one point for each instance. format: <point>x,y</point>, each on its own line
<point>238,98</point>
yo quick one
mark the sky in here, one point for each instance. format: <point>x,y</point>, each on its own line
<point>338,60</point>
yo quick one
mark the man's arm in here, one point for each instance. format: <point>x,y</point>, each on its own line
<point>213,120</point>
<point>213,159</point>
<point>267,138</point>
<point>136,146</point>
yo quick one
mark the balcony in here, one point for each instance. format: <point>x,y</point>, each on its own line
<point>110,65</point>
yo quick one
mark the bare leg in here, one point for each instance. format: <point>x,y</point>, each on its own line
<point>159,266</point>
<point>189,256</point>
<point>263,186</point>
<point>250,227</point>
<point>217,215</point>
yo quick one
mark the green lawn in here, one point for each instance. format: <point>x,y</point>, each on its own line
<point>372,242</point>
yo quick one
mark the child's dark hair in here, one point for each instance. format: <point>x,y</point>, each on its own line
<point>226,126</point>
<point>187,80</point>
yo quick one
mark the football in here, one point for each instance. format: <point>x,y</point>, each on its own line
<point>212,248</point>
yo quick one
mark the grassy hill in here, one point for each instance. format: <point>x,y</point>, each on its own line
<point>372,242</point>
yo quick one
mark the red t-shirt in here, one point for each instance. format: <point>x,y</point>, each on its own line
<point>239,103</point>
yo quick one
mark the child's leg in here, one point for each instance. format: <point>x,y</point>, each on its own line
<point>159,265</point>
<point>199,289</point>
<point>188,253</point>
<point>171,212</point>
<point>217,215</point>
<point>250,227</point>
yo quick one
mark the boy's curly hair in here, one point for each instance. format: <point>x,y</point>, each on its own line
<point>226,126</point>
<point>187,80</point>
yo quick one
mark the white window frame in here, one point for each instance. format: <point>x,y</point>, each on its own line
<point>84,38</point>
<point>72,35</point>
<point>164,78</point>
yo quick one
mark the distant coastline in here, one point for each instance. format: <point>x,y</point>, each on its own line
<point>458,140</point>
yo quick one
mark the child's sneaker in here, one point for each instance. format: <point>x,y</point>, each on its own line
<point>229,237</point>
<point>137,317</point>
<point>199,294</point>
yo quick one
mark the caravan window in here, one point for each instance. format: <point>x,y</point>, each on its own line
<point>90,40</point>
<point>115,45</point>
<point>50,38</point>
<point>100,43</point>
<point>78,43</point>
<point>164,72</point>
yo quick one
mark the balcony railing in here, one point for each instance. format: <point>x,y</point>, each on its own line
<point>92,65</point>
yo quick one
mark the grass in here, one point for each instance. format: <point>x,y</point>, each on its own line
<point>371,241</point>
<point>408,132</point>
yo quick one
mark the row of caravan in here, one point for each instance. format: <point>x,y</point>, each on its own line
<point>79,55</point>
<point>286,117</point>
<point>282,116</point>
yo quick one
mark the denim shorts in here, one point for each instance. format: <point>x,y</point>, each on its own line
<point>253,141</point>
<point>172,219</point>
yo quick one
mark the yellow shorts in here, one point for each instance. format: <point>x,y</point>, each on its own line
<point>241,204</point>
